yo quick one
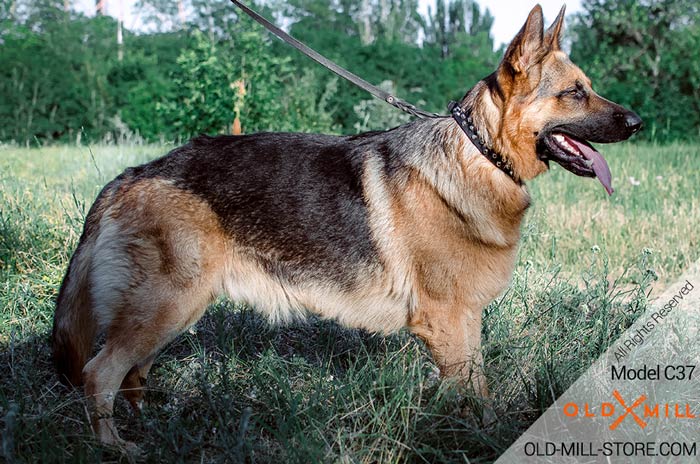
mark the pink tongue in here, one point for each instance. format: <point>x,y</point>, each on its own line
<point>600,166</point>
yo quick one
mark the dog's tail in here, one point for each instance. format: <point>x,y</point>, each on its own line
<point>74,323</point>
<point>74,326</point>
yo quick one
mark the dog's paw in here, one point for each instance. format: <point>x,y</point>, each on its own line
<point>488,415</point>
<point>479,411</point>
<point>130,448</point>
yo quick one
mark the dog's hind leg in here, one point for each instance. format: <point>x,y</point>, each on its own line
<point>135,381</point>
<point>158,263</point>
<point>132,343</point>
<point>103,375</point>
<point>151,312</point>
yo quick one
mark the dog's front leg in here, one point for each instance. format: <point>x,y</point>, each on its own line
<point>453,335</point>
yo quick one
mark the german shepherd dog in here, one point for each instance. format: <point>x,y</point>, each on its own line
<point>409,227</point>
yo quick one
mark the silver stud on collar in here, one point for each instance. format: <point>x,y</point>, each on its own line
<point>466,123</point>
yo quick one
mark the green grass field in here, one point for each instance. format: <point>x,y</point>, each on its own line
<point>235,388</point>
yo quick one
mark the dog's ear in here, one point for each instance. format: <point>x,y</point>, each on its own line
<point>552,38</point>
<point>527,48</point>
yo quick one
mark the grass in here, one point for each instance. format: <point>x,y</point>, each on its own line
<point>238,389</point>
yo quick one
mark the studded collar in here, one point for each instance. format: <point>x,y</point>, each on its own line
<point>464,120</point>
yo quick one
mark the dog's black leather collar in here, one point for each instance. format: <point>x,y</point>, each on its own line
<point>464,120</point>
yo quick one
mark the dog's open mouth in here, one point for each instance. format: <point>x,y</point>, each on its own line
<point>577,156</point>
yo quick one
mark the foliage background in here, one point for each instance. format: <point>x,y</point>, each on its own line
<point>61,79</point>
<point>238,389</point>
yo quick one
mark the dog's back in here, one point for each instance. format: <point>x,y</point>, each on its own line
<point>296,198</point>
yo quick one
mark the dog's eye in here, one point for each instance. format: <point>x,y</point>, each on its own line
<point>576,92</point>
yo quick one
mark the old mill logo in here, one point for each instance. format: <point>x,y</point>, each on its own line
<point>639,410</point>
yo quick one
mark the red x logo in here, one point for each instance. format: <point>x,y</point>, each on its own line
<point>628,410</point>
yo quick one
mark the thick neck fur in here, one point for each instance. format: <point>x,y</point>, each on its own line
<point>437,152</point>
<point>490,111</point>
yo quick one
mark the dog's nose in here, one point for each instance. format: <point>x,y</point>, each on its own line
<point>632,121</point>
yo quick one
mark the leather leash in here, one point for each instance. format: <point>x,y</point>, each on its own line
<point>342,72</point>
<point>456,112</point>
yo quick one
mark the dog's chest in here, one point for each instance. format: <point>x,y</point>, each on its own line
<point>471,276</point>
<point>464,258</point>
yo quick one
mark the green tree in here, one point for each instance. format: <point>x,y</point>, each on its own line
<point>53,68</point>
<point>646,57</point>
<point>59,75</point>
<point>389,21</point>
<point>143,80</point>
<point>390,50</point>
<point>205,90</point>
<point>459,23</point>
<point>457,52</point>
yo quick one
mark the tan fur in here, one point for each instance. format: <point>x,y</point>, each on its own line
<point>244,280</point>
<point>445,233</point>
<point>460,262</point>
<point>74,331</point>
<point>166,277</point>
<point>153,273</point>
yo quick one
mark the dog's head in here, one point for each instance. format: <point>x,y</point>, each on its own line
<point>548,108</point>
